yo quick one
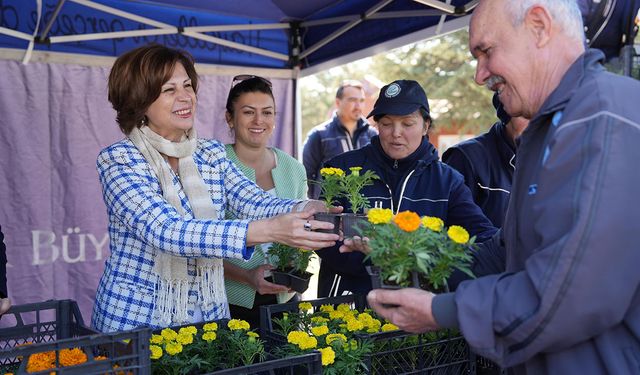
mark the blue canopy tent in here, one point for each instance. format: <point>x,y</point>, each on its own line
<point>274,34</point>
<point>276,38</point>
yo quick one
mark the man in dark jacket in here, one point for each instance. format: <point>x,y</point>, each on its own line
<point>346,131</point>
<point>411,178</point>
<point>569,299</point>
<point>487,163</point>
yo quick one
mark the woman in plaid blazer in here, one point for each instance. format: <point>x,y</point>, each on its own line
<point>166,193</point>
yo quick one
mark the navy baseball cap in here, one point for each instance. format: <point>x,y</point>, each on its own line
<point>500,112</point>
<point>400,98</point>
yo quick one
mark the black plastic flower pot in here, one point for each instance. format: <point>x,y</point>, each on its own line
<point>329,218</point>
<point>376,279</point>
<point>281,278</point>
<point>377,282</point>
<point>300,281</point>
<point>352,222</point>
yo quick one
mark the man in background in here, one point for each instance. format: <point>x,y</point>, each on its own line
<point>347,130</point>
<point>487,163</point>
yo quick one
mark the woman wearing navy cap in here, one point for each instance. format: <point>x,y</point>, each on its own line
<point>411,178</point>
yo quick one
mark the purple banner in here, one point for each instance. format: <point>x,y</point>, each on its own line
<point>55,119</point>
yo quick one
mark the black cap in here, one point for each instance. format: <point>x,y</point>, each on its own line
<point>400,98</point>
<point>502,114</point>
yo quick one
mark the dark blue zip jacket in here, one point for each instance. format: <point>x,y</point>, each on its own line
<point>568,299</point>
<point>418,183</point>
<point>487,164</point>
<point>328,140</point>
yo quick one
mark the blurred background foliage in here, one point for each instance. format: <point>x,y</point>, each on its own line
<point>443,66</point>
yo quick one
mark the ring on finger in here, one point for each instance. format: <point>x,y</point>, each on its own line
<point>307,226</point>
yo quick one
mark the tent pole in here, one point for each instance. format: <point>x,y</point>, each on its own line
<point>54,16</point>
<point>628,50</point>
<point>344,29</point>
<point>297,111</point>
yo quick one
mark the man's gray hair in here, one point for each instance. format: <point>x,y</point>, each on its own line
<point>565,12</point>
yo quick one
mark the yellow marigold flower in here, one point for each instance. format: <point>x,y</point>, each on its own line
<point>184,338</point>
<point>408,221</point>
<point>434,223</point>
<point>253,334</point>
<point>295,337</point>
<point>156,351</point>
<point>209,336</point>
<point>380,215</point>
<point>319,330</point>
<point>375,324</point>
<point>335,336</point>
<point>210,326</point>
<point>190,330</point>
<point>308,343</point>
<point>173,348</point>
<point>156,339</point>
<point>458,234</point>
<point>328,356</point>
<point>319,319</point>
<point>354,325</point>
<point>305,306</point>
<point>344,307</point>
<point>389,327</point>
<point>100,358</point>
<point>238,324</point>
<point>355,170</point>
<point>333,315</point>
<point>326,308</point>
<point>168,334</point>
<point>365,317</point>
<point>331,172</point>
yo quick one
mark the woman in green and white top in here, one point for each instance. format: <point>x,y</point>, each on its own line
<point>251,118</point>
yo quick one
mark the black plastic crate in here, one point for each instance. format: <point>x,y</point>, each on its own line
<point>52,326</point>
<point>396,352</point>
<point>487,367</point>
<point>306,364</point>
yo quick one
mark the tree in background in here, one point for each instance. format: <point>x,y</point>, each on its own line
<point>443,66</point>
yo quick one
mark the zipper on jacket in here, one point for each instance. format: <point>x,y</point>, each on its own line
<point>404,185</point>
<point>395,164</point>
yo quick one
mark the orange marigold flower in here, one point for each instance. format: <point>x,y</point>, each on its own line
<point>41,361</point>
<point>72,357</point>
<point>407,221</point>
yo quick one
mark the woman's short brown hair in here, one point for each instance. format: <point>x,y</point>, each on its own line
<point>136,80</point>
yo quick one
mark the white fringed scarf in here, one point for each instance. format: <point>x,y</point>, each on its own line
<point>172,289</point>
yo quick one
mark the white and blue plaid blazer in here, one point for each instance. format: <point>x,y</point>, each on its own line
<point>142,222</point>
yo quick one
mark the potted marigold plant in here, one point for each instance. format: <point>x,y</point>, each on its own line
<point>352,185</point>
<point>190,350</point>
<point>409,250</point>
<point>337,332</point>
<point>330,191</point>
<point>291,266</point>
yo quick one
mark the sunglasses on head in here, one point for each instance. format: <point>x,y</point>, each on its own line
<point>243,77</point>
